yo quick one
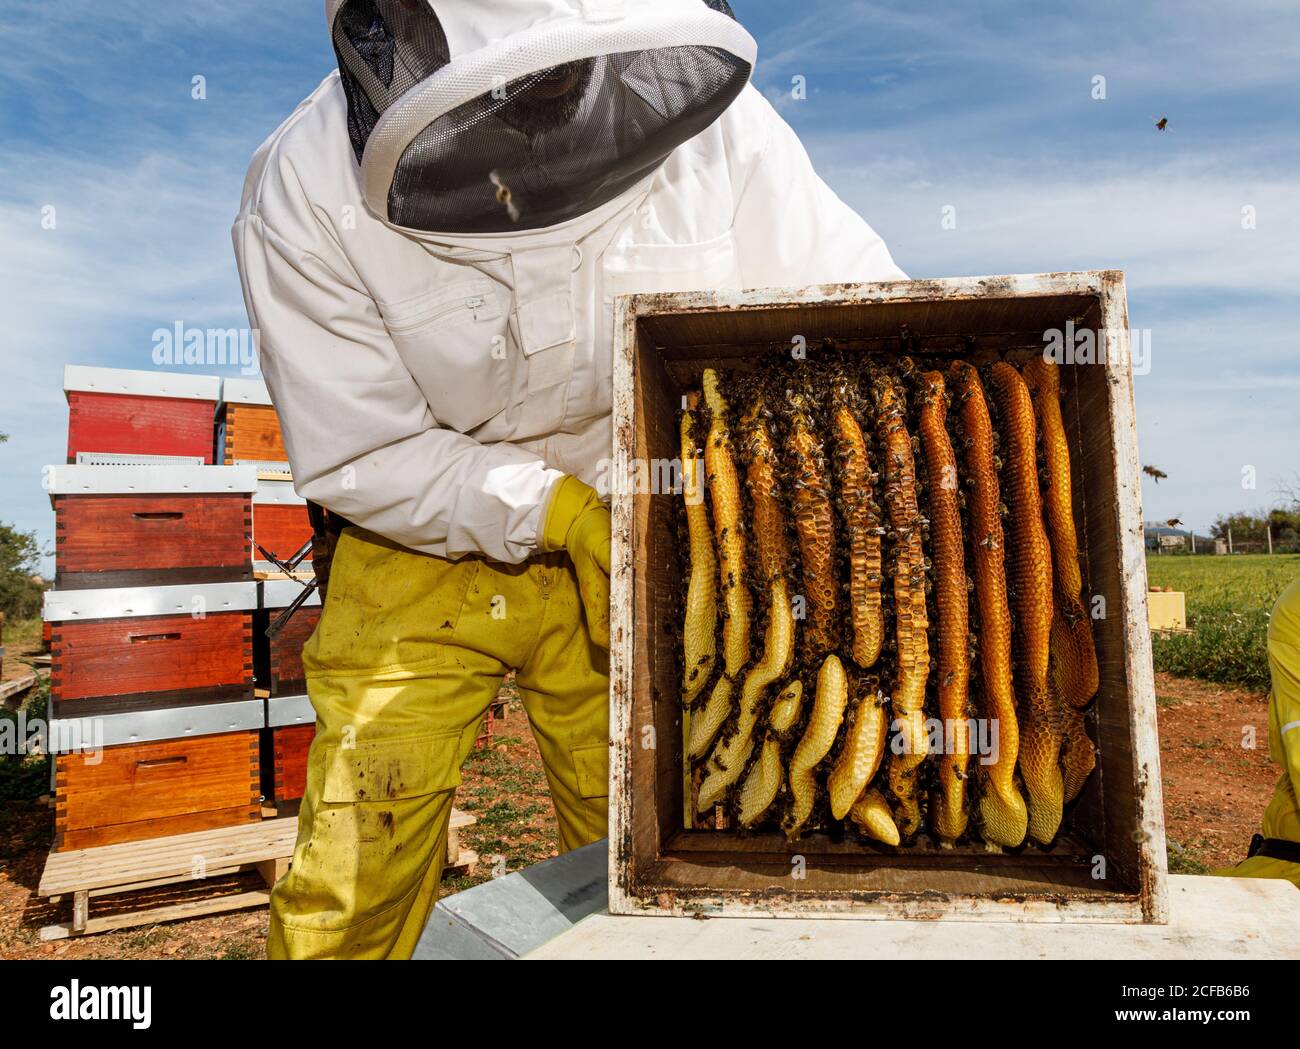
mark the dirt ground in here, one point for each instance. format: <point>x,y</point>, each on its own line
<point>22,644</point>
<point>1215,769</point>
<point>1215,790</point>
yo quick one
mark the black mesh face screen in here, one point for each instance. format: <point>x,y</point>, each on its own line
<point>559,143</point>
<point>722,6</point>
<point>384,48</point>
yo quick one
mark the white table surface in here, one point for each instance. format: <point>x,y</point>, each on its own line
<point>1209,918</point>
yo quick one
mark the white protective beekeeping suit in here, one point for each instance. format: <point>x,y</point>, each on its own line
<point>430,246</point>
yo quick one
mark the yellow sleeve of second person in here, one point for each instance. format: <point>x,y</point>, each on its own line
<point>1282,817</point>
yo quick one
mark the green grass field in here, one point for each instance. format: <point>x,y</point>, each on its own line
<point>1228,604</point>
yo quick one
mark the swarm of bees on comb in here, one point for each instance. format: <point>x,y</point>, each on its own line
<point>881,558</point>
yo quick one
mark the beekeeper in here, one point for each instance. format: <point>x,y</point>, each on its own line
<point>1275,851</point>
<point>430,248</point>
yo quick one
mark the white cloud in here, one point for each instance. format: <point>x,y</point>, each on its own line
<point>1167,227</point>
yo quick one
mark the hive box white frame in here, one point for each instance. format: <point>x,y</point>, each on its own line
<point>652,871</point>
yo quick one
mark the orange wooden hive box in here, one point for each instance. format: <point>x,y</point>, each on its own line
<point>248,430</point>
<point>280,522</point>
<point>118,415</point>
<point>290,729</point>
<point>127,769</point>
<point>281,672</point>
<point>149,790</point>
<point>123,525</point>
<point>290,720</point>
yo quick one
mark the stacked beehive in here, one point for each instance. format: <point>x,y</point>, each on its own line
<point>248,433</point>
<point>290,720</point>
<point>156,619</point>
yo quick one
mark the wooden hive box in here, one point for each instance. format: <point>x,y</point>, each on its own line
<point>279,670</point>
<point>137,767</point>
<point>290,729</point>
<point>117,526</point>
<point>280,522</point>
<point>170,643</point>
<point>149,790</point>
<point>662,344</point>
<point>248,430</point>
<point>119,415</point>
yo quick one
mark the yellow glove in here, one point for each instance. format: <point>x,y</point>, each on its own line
<point>577,521</point>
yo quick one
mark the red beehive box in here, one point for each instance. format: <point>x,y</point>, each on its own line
<point>122,525</point>
<point>172,641</point>
<point>291,727</point>
<point>283,673</point>
<point>248,430</point>
<point>280,521</point>
<point>117,414</point>
<point>147,790</point>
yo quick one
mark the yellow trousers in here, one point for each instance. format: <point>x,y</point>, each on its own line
<point>409,652</point>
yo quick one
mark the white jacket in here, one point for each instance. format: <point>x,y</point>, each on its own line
<point>393,357</point>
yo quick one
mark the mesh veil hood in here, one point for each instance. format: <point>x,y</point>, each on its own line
<point>493,116</point>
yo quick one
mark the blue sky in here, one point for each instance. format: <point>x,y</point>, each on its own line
<point>987,108</point>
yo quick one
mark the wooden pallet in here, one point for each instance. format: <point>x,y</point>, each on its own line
<point>17,686</point>
<point>199,855</point>
<point>265,847</point>
<point>460,861</point>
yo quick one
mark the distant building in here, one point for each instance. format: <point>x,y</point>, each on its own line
<point>1162,537</point>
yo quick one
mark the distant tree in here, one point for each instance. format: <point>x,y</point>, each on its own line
<point>1244,526</point>
<point>20,554</point>
<point>1285,523</point>
<point>1249,530</point>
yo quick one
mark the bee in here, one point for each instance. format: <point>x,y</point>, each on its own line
<point>504,196</point>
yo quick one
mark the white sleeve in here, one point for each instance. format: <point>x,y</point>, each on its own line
<point>361,438</point>
<point>790,226</point>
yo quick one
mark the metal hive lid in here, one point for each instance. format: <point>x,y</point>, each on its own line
<point>149,479</point>
<point>86,379</point>
<point>200,599</point>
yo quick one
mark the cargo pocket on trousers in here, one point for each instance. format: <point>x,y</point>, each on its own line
<point>372,834</point>
<point>591,763</point>
<point>392,769</point>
